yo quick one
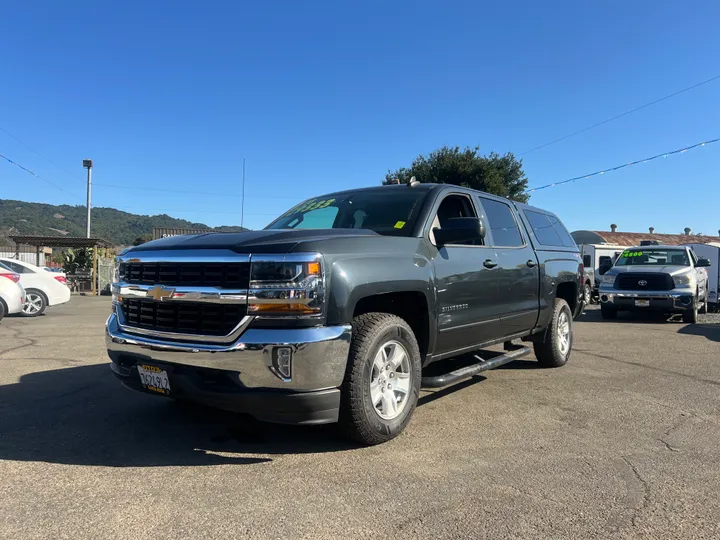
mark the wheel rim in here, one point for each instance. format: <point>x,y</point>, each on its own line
<point>587,294</point>
<point>33,304</point>
<point>563,333</point>
<point>390,381</point>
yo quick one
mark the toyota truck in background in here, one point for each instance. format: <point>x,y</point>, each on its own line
<point>665,279</point>
<point>333,312</point>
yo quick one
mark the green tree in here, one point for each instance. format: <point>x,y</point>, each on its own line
<point>496,174</point>
<point>142,239</point>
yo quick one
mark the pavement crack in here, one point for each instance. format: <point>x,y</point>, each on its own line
<point>645,490</point>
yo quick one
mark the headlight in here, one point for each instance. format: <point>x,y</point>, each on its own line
<point>286,288</point>
<point>682,280</point>
<point>118,276</point>
<point>608,279</point>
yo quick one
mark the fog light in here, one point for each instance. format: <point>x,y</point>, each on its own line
<point>282,363</point>
<point>686,300</point>
<point>604,298</point>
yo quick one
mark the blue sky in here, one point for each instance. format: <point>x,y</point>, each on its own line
<point>320,96</point>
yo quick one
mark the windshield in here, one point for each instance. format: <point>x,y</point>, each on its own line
<point>385,211</point>
<point>654,257</point>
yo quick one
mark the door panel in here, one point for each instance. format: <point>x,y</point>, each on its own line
<point>468,297</point>
<point>518,282</point>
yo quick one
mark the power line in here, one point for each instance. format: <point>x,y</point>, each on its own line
<point>53,184</point>
<point>626,113</point>
<point>596,173</point>
<point>190,192</point>
<point>41,155</point>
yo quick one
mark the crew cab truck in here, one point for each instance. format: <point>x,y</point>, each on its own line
<point>666,279</point>
<point>331,313</point>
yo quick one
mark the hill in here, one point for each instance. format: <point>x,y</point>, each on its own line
<point>119,228</point>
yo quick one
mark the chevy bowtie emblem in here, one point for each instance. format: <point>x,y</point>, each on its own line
<point>158,292</point>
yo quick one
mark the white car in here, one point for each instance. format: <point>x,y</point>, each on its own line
<point>12,294</point>
<point>42,289</point>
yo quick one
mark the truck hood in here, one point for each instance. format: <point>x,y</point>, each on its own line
<point>667,269</point>
<point>267,241</point>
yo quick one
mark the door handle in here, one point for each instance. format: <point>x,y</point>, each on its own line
<point>531,263</point>
<point>490,263</point>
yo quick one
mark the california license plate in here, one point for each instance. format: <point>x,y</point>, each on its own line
<point>154,379</point>
<point>642,303</point>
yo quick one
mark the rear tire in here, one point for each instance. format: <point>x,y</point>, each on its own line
<point>705,301</point>
<point>555,348</point>
<point>3,309</point>
<point>35,303</point>
<point>378,396</point>
<point>608,312</point>
<point>588,294</point>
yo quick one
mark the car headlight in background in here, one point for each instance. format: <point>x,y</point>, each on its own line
<point>286,288</point>
<point>608,279</point>
<point>683,280</point>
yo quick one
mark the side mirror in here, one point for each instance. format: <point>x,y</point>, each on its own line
<point>463,230</point>
<point>703,262</point>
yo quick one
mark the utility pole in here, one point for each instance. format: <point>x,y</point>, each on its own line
<point>87,163</point>
<point>242,205</point>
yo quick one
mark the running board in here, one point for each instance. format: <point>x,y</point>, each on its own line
<point>458,375</point>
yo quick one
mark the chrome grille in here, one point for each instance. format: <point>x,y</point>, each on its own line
<point>192,318</point>
<point>221,275</point>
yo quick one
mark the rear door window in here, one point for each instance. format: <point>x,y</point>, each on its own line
<point>503,226</point>
<point>548,229</point>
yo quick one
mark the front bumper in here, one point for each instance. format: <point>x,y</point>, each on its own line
<point>669,301</point>
<point>240,376</point>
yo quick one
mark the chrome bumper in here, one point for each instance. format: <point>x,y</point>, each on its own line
<point>674,300</point>
<point>319,354</point>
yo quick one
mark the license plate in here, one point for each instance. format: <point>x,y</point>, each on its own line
<point>642,303</point>
<point>154,379</point>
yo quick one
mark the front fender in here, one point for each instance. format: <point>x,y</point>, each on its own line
<point>353,278</point>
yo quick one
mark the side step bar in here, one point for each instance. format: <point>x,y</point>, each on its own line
<point>438,381</point>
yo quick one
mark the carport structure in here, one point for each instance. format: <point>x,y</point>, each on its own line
<point>75,242</point>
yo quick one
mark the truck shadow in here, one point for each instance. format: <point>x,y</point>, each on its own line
<point>82,416</point>
<point>710,331</point>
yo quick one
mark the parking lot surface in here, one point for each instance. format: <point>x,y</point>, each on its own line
<point>621,442</point>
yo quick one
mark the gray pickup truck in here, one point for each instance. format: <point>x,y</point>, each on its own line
<point>666,279</point>
<point>333,312</point>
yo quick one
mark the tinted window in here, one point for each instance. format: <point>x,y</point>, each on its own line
<point>384,210</point>
<point>548,230</point>
<point>15,267</point>
<point>504,228</point>
<point>587,261</point>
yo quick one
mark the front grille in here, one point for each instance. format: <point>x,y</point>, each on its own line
<point>631,281</point>
<point>196,318</point>
<point>221,275</point>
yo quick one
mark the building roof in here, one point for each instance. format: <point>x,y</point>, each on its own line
<point>60,241</point>
<point>634,239</point>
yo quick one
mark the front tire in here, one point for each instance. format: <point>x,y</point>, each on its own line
<point>608,312</point>
<point>35,303</point>
<point>691,316</point>
<point>382,381</point>
<point>555,349</point>
<point>3,309</point>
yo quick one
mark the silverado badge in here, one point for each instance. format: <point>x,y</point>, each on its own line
<point>158,292</point>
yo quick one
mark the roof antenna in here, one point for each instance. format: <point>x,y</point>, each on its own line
<point>413,182</point>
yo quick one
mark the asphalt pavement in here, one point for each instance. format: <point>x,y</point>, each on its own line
<point>622,442</point>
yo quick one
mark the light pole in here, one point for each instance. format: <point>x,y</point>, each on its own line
<point>87,163</point>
